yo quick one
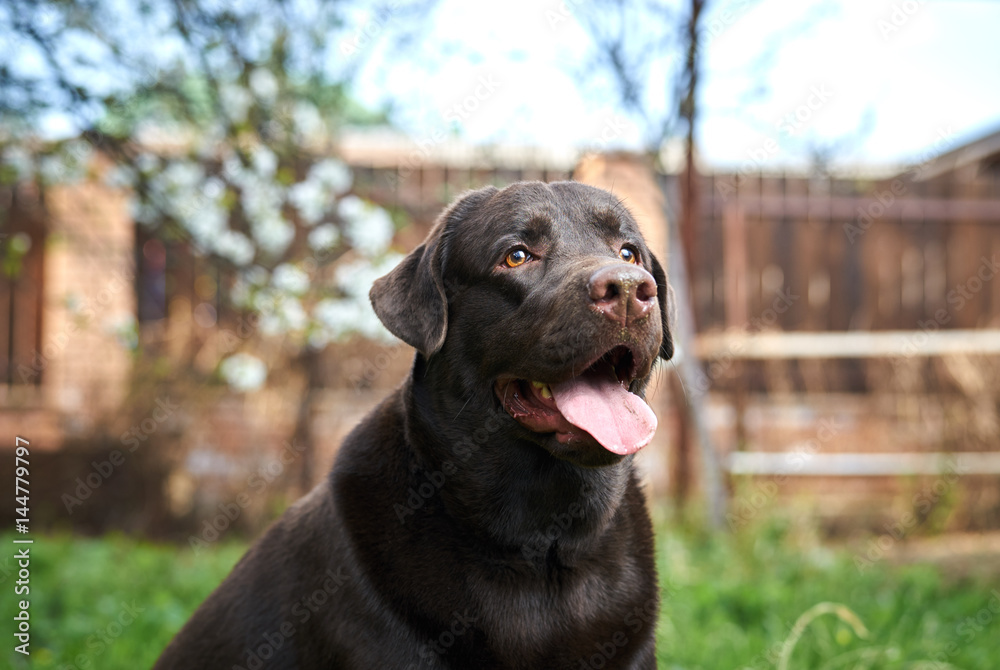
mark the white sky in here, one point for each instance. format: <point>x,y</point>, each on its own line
<point>936,76</point>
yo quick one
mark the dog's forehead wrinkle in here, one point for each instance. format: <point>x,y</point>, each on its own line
<point>534,227</point>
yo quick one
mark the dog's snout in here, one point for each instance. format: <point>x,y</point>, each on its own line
<point>623,293</point>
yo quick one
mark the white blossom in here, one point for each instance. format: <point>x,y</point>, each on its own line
<point>355,279</point>
<point>336,313</point>
<point>286,277</point>
<point>256,276</point>
<point>280,313</point>
<point>273,234</point>
<point>235,246</point>
<point>213,188</point>
<point>264,85</point>
<point>240,293</point>
<point>141,211</point>
<point>147,163</point>
<point>265,161</point>
<point>315,195</point>
<point>232,169</point>
<point>243,372</point>
<point>210,140</point>
<point>351,207</point>
<point>370,326</point>
<point>310,199</point>
<point>261,198</point>
<point>333,174</point>
<point>323,237</point>
<point>181,177</point>
<point>204,218</point>
<point>335,318</point>
<point>368,228</point>
<point>235,101</point>
<point>292,314</point>
<point>306,118</point>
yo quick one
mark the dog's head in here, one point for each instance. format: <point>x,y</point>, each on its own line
<point>547,295</point>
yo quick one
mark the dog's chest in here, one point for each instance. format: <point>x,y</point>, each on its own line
<point>528,621</point>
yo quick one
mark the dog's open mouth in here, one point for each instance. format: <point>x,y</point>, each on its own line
<point>595,404</point>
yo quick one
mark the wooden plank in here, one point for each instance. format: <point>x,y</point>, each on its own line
<point>843,207</point>
<point>734,254</point>
<point>964,251</point>
<point>758,252</point>
<point>707,308</point>
<point>887,259</point>
<point>772,271</point>
<point>840,264</point>
<point>851,344</point>
<point>802,463</point>
<point>994,287</point>
<point>795,249</point>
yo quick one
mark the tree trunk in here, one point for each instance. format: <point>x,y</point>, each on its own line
<point>302,440</point>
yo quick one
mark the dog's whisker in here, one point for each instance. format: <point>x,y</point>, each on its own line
<point>463,406</point>
<point>680,378</point>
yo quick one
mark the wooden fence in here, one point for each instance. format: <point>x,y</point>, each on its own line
<point>799,254</point>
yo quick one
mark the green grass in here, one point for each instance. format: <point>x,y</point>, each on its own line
<point>84,590</point>
<point>730,602</point>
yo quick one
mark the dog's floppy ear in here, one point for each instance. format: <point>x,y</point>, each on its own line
<point>665,296</point>
<point>411,300</point>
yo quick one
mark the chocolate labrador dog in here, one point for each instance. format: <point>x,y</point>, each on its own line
<point>486,514</point>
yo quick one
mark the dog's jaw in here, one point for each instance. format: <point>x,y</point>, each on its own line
<point>595,408</point>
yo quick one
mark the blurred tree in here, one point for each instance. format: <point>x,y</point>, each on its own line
<point>650,54</point>
<point>220,119</point>
<point>635,48</point>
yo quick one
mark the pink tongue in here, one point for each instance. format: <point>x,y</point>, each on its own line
<point>621,421</point>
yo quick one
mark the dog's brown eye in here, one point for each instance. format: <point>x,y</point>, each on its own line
<point>628,255</point>
<point>517,257</point>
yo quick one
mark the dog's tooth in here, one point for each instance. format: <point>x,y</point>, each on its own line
<point>543,389</point>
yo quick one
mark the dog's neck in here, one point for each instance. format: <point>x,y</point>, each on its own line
<point>459,430</point>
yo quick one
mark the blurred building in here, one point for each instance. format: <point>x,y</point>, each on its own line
<point>68,310</point>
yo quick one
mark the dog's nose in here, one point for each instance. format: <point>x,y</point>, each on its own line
<point>623,293</point>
